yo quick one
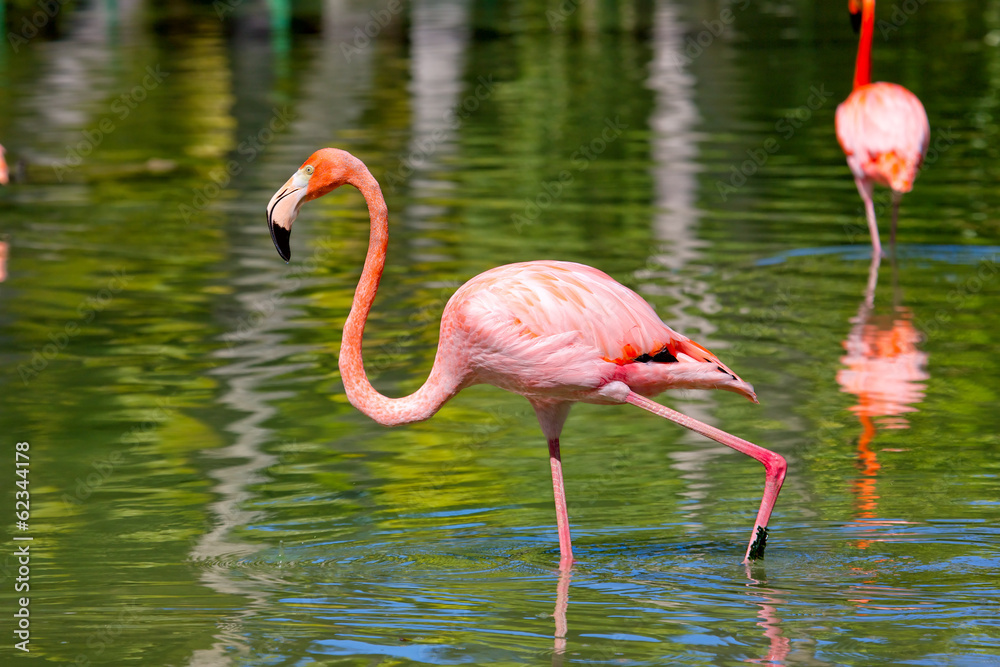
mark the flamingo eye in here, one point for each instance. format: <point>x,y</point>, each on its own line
<point>308,169</point>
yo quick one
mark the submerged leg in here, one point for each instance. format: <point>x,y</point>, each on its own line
<point>774,465</point>
<point>559,614</point>
<point>551,417</point>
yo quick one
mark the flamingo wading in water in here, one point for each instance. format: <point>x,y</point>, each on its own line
<point>882,128</point>
<point>554,332</point>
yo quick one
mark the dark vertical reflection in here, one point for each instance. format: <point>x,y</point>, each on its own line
<point>439,37</point>
<point>257,348</point>
<point>671,270</point>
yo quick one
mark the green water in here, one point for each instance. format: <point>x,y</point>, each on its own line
<point>202,493</point>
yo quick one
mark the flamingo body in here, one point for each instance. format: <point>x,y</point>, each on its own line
<point>884,132</point>
<point>554,332</point>
<point>882,128</point>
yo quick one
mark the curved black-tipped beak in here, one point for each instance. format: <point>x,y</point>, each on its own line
<point>281,213</point>
<point>856,21</point>
<point>280,237</point>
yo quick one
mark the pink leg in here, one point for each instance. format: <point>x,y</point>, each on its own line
<point>896,198</point>
<point>865,188</point>
<point>562,514</point>
<point>774,465</point>
<point>869,301</point>
<point>551,417</point>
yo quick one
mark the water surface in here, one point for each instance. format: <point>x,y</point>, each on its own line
<point>202,492</point>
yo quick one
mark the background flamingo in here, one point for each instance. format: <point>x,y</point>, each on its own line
<point>554,332</point>
<point>882,128</point>
<point>4,175</point>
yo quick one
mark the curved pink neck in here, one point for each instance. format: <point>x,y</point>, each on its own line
<point>863,65</point>
<point>439,387</point>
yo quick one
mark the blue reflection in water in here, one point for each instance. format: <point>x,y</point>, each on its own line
<point>951,254</point>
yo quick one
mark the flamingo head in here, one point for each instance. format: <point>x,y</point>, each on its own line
<point>681,364</point>
<point>854,7</point>
<point>325,170</point>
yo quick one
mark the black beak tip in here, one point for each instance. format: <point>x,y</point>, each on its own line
<point>280,237</point>
<point>856,22</point>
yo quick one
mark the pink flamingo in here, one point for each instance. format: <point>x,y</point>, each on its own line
<point>554,332</point>
<point>4,175</point>
<point>882,128</point>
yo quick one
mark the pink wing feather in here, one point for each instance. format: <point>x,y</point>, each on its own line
<point>568,328</point>
<point>550,298</point>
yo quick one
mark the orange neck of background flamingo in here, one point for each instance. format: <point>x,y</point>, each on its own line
<point>863,65</point>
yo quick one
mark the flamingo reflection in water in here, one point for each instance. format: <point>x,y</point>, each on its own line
<point>886,370</point>
<point>768,601</point>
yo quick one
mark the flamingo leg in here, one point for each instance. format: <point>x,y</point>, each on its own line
<point>896,198</point>
<point>551,417</point>
<point>562,514</point>
<point>774,465</point>
<point>865,189</point>
<point>869,301</point>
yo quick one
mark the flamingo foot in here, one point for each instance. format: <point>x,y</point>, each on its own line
<point>757,546</point>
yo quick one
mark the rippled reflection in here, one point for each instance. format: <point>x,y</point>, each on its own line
<point>768,601</point>
<point>886,370</point>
